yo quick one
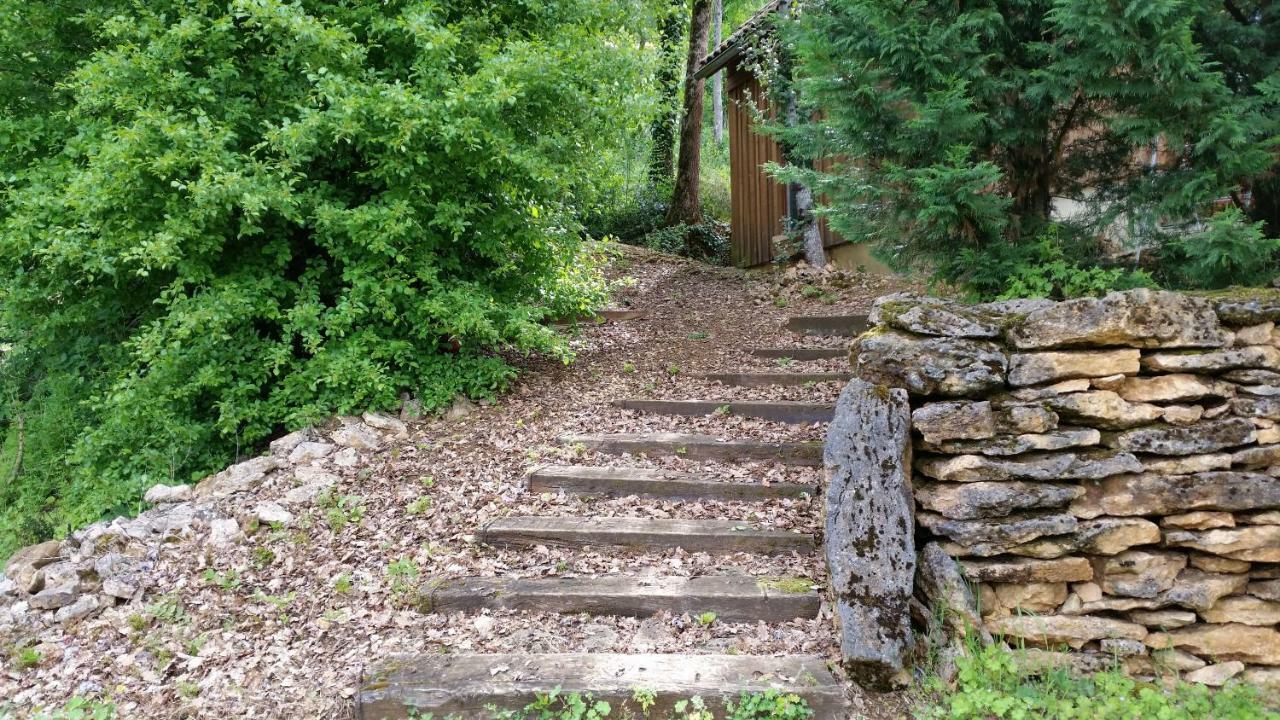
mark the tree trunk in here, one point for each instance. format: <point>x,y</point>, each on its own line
<point>685,202</point>
<point>667,78</point>
<point>717,81</point>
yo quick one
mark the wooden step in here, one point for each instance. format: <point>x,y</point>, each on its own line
<point>837,325</point>
<point>700,447</point>
<point>733,598</point>
<point>768,379</point>
<point>801,354</point>
<point>467,686</point>
<point>787,411</point>
<point>645,482</point>
<point>713,536</point>
<point>619,315</point>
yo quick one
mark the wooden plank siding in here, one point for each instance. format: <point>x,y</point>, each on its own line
<point>759,203</point>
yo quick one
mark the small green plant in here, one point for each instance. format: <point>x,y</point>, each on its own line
<point>138,622</point>
<point>79,708</point>
<point>645,698</point>
<point>279,602</point>
<point>419,506</point>
<point>699,335</point>
<point>784,362</point>
<point>262,558</point>
<point>723,410</point>
<point>188,689</point>
<point>695,708</point>
<point>557,706</point>
<point>673,369</point>
<point>342,511</point>
<point>196,644</point>
<point>707,619</point>
<point>628,367</point>
<point>168,609</point>
<point>342,584</point>
<point>403,573</point>
<point>780,302</point>
<point>811,291</point>
<point>25,658</point>
<point>428,481</point>
<point>768,705</point>
<point>230,580</point>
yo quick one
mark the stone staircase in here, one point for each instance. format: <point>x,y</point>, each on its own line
<point>470,685</point>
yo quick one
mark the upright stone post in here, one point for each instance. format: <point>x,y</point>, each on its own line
<point>870,531</point>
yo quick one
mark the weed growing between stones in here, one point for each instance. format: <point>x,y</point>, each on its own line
<point>767,705</point>
<point>996,682</point>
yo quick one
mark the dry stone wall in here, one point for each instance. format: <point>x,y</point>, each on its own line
<point>1106,472</point>
<point>109,563</point>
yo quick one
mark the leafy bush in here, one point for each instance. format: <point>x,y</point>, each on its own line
<point>264,212</point>
<point>990,683</point>
<point>708,242</point>
<point>767,705</point>
<point>1049,267</point>
<point>1229,251</point>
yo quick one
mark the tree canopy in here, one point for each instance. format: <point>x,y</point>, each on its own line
<point>955,126</point>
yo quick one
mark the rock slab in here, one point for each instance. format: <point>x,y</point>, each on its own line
<point>870,530</point>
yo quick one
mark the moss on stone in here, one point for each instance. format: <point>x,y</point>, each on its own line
<point>789,585</point>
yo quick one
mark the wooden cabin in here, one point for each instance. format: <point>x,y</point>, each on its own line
<point>760,204</point>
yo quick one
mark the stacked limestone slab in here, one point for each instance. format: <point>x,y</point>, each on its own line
<point>1105,471</point>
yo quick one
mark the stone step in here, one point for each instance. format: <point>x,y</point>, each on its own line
<point>837,325</point>
<point>801,354</point>
<point>733,598</point>
<point>713,536</point>
<point>467,686</point>
<point>768,379</point>
<point>646,482</point>
<point>700,447</point>
<point>787,411</point>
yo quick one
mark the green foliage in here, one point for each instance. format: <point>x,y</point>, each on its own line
<point>952,127</point>
<point>991,684</point>
<point>769,705</point>
<point>25,658</point>
<point>225,219</point>
<point>1229,251</point>
<point>79,708</point>
<point>1045,268</point>
<point>557,706</point>
<point>707,242</point>
<point>341,510</point>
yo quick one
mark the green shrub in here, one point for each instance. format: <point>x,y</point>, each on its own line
<point>990,683</point>
<point>1228,251</point>
<point>266,212</point>
<point>950,127</point>
<point>707,242</point>
<point>1052,266</point>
